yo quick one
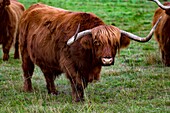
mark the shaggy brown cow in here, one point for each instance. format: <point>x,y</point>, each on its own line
<point>10,13</point>
<point>44,35</point>
<point>162,33</point>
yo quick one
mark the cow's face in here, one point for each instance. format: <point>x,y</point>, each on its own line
<point>104,51</point>
<point>105,43</point>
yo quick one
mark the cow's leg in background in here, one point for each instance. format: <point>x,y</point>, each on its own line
<point>28,69</point>
<point>6,47</point>
<point>5,52</point>
<point>8,43</point>
<point>165,58</point>
<point>16,53</point>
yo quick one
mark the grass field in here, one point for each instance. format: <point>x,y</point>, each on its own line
<point>137,83</point>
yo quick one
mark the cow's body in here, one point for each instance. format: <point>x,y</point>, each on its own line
<point>162,33</point>
<point>10,13</point>
<point>44,32</point>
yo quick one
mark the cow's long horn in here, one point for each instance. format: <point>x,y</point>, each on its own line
<point>130,35</point>
<point>77,36</point>
<point>139,39</point>
<point>161,5</point>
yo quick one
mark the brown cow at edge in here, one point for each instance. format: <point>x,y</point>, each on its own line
<point>44,35</point>
<point>162,32</point>
<point>10,13</point>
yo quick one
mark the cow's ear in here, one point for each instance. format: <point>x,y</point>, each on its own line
<point>124,41</point>
<point>86,42</point>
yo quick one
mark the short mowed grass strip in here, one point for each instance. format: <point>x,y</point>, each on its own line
<point>137,83</point>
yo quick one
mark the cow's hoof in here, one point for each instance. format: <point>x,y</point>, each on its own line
<point>16,56</point>
<point>54,93</point>
<point>28,90</point>
<point>5,57</point>
<point>79,100</point>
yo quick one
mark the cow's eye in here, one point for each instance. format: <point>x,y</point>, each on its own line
<point>97,43</point>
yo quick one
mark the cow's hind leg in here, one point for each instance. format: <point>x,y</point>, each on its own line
<point>50,77</point>
<point>28,68</point>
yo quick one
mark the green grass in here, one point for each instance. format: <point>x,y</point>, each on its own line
<point>137,83</point>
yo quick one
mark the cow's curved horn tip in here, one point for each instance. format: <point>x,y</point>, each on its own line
<point>152,0</point>
<point>69,42</point>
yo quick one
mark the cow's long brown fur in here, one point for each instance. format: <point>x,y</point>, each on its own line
<point>9,18</point>
<point>162,33</point>
<point>44,32</point>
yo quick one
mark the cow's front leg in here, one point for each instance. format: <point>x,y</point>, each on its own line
<point>78,85</point>
<point>50,77</point>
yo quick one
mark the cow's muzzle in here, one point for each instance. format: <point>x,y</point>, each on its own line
<point>107,61</point>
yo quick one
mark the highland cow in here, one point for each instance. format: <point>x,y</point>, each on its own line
<point>10,13</point>
<point>162,32</point>
<point>75,43</point>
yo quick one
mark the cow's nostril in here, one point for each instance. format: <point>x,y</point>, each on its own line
<point>107,61</point>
